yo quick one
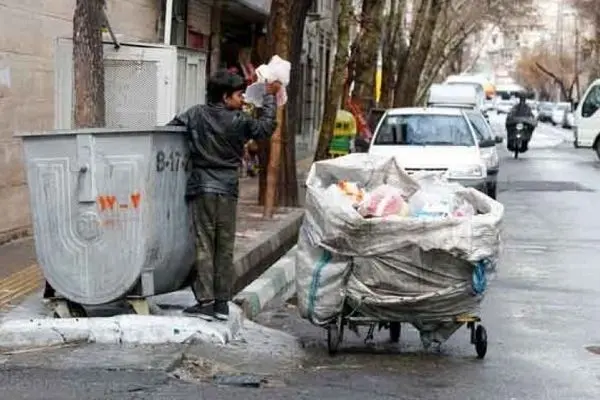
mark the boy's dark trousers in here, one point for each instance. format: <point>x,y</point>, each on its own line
<point>214,218</point>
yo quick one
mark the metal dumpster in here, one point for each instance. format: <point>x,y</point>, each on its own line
<point>109,215</point>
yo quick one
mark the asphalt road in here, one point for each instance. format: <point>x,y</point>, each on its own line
<point>540,313</point>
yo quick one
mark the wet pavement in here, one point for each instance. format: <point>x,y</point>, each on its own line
<point>540,314</point>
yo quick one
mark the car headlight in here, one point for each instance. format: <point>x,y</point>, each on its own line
<point>468,172</point>
<point>490,158</point>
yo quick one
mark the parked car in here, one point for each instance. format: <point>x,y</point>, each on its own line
<point>568,120</point>
<point>558,113</point>
<point>435,139</point>
<point>504,106</point>
<point>467,99</point>
<point>545,111</point>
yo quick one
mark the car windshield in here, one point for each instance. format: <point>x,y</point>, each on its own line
<point>425,130</point>
<point>482,130</point>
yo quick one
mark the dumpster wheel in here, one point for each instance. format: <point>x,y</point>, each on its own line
<point>140,306</point>
<point>68,309</point>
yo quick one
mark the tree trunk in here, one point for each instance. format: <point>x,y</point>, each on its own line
<point>88,64</point>
<point>415,32</point>
<point>391,57</point>
<point>367,52</point>
<point>336,86</point>
<point>408,86</point>
<point>288,179</point>
<point>285,27</point>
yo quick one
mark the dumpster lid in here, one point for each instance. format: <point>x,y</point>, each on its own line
<point>103,131</point>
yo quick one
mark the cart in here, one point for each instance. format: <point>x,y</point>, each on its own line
<point>352,320</point>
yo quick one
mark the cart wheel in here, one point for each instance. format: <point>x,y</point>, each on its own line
<point>481,341</point>
<point>395,329</point>
<point>333,338</point>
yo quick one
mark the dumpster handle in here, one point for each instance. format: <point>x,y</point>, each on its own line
<point>85,161</point>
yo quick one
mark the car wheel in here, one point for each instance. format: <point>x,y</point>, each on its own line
<point>492,190</point>
<point>597,147</point>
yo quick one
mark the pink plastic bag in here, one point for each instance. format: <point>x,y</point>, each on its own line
<point>383,201</point>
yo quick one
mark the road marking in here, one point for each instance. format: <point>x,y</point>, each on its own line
<point>20,284</point>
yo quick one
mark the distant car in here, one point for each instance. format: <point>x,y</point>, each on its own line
<point>569,120</point>
<point>558,113</point>
<point>545,111</point>
<point>504,106</point>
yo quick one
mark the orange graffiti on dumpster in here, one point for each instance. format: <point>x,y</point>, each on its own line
<point>135,199</point>
<point>109,202</point>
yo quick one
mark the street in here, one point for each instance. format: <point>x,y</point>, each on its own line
<point>540,314</point>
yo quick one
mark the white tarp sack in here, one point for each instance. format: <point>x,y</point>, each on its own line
<point>324,274</point>
<point>424,271</point>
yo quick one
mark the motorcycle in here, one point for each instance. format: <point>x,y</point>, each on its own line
<point>518,139</point>
<point>519,131</point>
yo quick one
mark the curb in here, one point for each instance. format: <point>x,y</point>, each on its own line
<point>135,329</point>
<point>269,248</point>
<point>277,281</point>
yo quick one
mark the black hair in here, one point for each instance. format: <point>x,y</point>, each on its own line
<point>223,83</point>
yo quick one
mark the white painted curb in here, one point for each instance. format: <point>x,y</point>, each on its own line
<point>276,282</point>
<point>135,329</point>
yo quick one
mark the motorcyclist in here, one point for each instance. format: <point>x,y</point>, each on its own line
<point>520,113</point>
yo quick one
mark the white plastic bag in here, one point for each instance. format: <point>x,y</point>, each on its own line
<point>277,69</point>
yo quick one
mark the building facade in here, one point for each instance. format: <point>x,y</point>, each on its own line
<point>27,66</point>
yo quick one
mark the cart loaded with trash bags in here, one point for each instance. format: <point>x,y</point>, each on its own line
<point>379,247</point>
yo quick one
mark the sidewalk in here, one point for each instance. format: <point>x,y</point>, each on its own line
<point>259,243</point>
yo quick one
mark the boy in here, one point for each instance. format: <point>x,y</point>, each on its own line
<point>216,133</point>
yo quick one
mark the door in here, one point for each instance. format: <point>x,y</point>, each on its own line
<point>588,116</point>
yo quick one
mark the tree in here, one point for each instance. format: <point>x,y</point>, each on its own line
<point>589,11</point>
<point>336,85</point>
<point>366,51</point>
<point>542,69</point>
<point>88,63</point>
<point>286,27</point>
<point>421,40</point>
<point>393,51</point>
<point>457,22</point>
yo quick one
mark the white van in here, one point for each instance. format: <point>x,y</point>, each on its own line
<point>586,132</point>
<point>432,139</point>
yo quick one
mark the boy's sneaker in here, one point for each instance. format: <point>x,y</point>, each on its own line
<point>221,309</point>
<point>205,308</point>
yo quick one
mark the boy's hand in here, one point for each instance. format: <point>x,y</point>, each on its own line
<point>273,87</point>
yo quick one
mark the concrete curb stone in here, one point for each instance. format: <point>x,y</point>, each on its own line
<point>277,281</point>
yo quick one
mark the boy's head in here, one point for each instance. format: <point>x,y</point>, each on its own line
<point>227,88</point>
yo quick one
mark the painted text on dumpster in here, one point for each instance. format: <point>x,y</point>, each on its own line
<point>173,161</point>
<point>110,203</point>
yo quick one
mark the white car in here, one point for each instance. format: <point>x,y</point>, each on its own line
<point>466,99</point>
<point>504,106</point>
<point>558,113</point>
<point>432,139</point>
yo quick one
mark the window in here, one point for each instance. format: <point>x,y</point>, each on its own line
<point>591,103</point>
<point>481,128</point>
<point>425,129</point>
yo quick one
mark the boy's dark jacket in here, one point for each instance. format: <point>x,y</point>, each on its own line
<point>216,137</point>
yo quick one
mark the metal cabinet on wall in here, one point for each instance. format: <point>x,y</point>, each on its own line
<point>146,84</point>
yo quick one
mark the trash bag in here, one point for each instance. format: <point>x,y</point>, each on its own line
<point>396,268</point>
